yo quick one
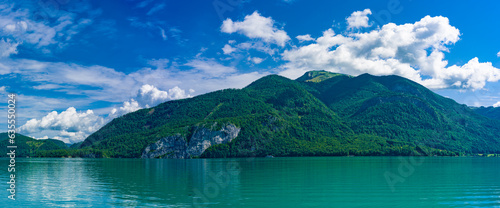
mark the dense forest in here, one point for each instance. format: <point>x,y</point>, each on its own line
<point>319,114</point>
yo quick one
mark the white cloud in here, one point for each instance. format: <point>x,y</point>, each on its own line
<point>256,60</point>
<point>257,26</point>
<point>163,34</point>
<point>358,19</point>
<point>16,28</point>
<point>74,126</point>
<point>148,96</point>
<point>415,51</point>
<point>151,96</point>
<point>227,49</point>
<point>71,126</point>
<point>498,54</point>
<point>258,46</point>
<point>128,107</point>
<point>156,8</point>
<point>47,87</point>
<point>7,47</point>
<point>303,38</point>
<point>497,104</point>
<point>206,75</point>
<point>2,89</point>
<point>44,137</point>
<point>211,67</point>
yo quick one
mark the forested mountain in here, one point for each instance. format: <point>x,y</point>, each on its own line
<point>490,112</point>
<point>397,108</point>
<point>29,147</point>
<point>321,113</point>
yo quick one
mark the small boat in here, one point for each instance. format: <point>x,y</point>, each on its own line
<point>269,156</point>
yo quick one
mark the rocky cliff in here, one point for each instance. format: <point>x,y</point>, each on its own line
<point>178,147</point>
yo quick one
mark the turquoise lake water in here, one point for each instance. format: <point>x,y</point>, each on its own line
<point>256,182</point>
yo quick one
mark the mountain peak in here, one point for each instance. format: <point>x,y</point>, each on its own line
<point>318,76</point>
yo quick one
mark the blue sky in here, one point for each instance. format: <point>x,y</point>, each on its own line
<point>77,64</point>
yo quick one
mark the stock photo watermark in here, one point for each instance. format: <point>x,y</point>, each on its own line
<point>49,9</point>
<point>384,16</point>
<point>221,181</point>
<point>406,168</point>
<point>223,6</point>
<point>11,148</point>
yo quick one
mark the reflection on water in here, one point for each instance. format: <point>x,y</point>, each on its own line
<point>257,182</point>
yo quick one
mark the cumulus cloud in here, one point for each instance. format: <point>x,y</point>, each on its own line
<point>2,89</point>
<point>498,54</point>
<point>497,104</point>
<point>257,26</point>
<point>358,19</point>
<point>415,51</point>
<point>256,60</point>
<point>127,107</point>
<point>303,38</point>
<point>74,126</point>
<point>149,96</point>
<point>227,49</point>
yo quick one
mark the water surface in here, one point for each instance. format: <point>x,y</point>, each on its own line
<point>256,182</point>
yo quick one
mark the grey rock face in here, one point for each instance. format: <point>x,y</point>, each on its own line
<point>177,147</point>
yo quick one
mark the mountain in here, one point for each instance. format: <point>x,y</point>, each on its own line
<point>29,147</point>
<point>397,108</point>
<point>490,112</point>
<point>320,113</point>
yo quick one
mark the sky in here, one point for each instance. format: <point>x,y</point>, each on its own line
<point>77,64</point>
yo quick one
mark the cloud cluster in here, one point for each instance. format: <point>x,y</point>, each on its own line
<point>257,26</point>
<point>73,126</point>
<point>358,19</point>
<point>303,38</point>
<point>149,96</point>
<point>415,51</point>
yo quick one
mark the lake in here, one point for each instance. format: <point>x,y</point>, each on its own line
<point>256,182</point>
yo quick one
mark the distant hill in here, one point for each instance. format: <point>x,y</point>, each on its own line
<point>490,112</point>
<point>27,146</point>
<point>320,113</point>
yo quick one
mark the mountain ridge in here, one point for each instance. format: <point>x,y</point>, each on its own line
<point>319,114</point>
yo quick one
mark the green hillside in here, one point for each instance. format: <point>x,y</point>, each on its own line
<point>399,109</point>
<point>277,116</point>
<point>320,113</point>
<point>29,147</point>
